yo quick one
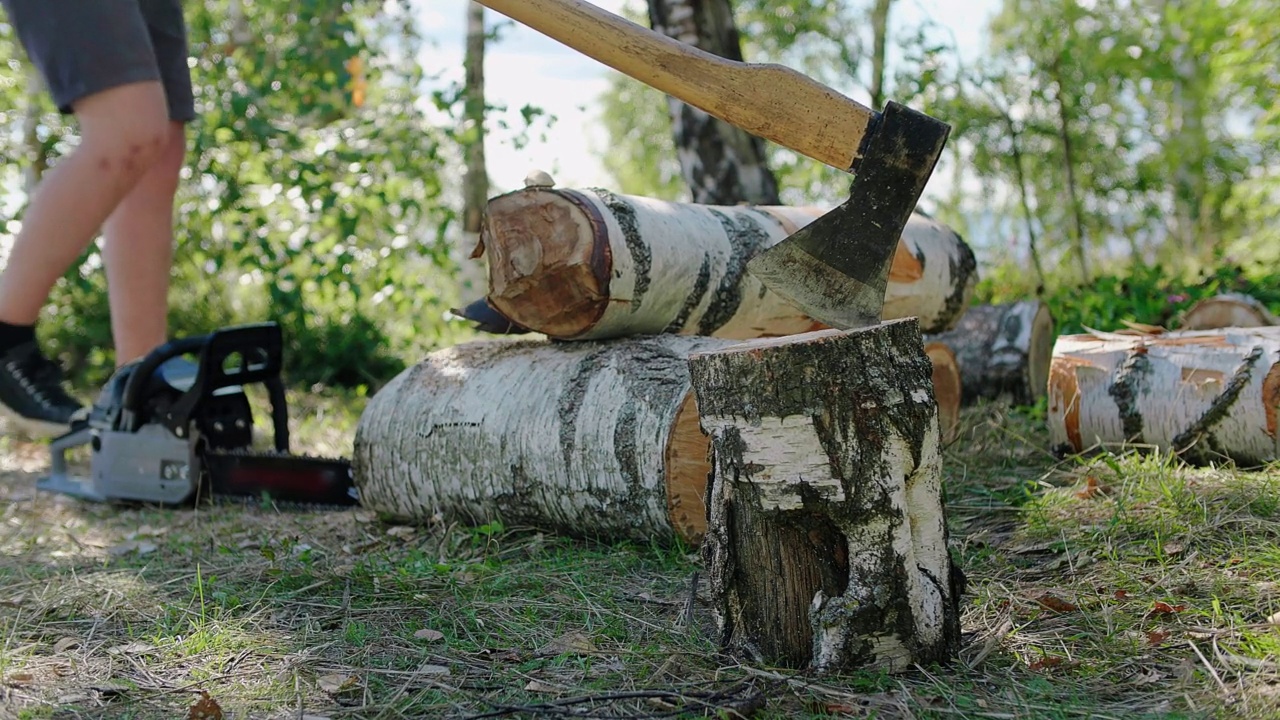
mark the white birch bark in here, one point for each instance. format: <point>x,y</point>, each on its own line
<point>581,438</point>
<point>592,264</point>
<point>1003,351</point>
<point>826,546</point>
<point>1227,310</point>
<point>1209,395</point>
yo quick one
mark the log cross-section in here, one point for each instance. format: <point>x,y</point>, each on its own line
<point>826,545</point>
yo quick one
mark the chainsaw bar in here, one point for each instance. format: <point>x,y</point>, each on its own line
<point>293,479</point>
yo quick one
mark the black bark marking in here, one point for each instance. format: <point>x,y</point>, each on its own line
<point>745,240</point>
<point>695,296</point>
<point>570,403</point>
<point>1188,442</point>
<point>641,256</point>
<point>1125,385</point>
<point>962,268</point>
<point>624,447</point>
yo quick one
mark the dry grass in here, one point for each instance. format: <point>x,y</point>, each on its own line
<point>1145,592</point>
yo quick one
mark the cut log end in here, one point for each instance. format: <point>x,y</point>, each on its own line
<point>947,388</point>
<point>1228,310</point>
<point>688,468</point>
<point>553,279</point>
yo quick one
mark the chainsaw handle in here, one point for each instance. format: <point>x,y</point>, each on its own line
<point>136,384</point>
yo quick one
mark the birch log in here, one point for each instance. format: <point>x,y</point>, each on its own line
<point>591,439</point>
<point>826,546</point>
<point>1227,310</point>
<point>1003,351</point>
<point>591,264</point>
<point>1207,395</point>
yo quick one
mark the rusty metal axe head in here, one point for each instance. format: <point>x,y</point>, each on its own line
<point>836,269</point>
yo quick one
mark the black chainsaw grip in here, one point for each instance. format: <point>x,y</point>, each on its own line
<point>258,353</point>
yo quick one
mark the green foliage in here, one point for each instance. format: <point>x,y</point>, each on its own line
<point>1150,294</point>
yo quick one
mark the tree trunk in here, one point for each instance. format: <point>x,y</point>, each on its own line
<point>1003,351</point>
<point>590,439</point>
<point>589,264</point>
<point>722,164</point>
<point>948,387</point>
<point>1227,310</point>
<point>826,545</point>
<point>880,31</point>
<point>1075,212</point>
<point>1207,395</point>
<point>475,180</point>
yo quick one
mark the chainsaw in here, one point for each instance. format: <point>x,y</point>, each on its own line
<point>170,431</point>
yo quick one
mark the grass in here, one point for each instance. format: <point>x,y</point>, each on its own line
<point>1124,586</point>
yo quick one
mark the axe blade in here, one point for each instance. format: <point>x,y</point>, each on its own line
<point>836,268</point>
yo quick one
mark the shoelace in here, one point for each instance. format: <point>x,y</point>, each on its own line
<point>42,378</point>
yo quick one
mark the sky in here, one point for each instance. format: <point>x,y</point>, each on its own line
<point>526,67</point>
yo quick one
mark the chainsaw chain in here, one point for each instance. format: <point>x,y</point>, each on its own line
<point>248,501</point>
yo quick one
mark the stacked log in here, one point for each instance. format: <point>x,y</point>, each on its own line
<point>1003,351</point>
<point>1207,395</point>
<point>1227,310</point>
<point>591,439</point>
<point>827,539</point>
<point>591,264</point>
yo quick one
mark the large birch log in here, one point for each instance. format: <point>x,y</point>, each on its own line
<point>1207,395</point>
<point>1227,310</point>
<point>591,264</point>
<point>1003,351</point>
<point>826,546</point>
<point>594,439</point>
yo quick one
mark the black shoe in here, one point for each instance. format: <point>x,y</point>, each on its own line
<point>31,392</point>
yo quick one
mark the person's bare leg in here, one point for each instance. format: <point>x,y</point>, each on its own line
<point>138,253</point>
<point>123,133</point>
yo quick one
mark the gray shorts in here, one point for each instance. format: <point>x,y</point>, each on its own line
<point>82,47</point>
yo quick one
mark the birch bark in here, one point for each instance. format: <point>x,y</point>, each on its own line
<point>1208,395</point>
<point>592,264</point>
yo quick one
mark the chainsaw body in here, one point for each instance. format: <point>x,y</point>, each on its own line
<point>167,430</point>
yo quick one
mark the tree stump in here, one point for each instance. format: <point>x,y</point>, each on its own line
<point>1227,310</point>
<point>595,439</point>
<point>592,264</point>
<point>826,545</point>
<point>1003,351</point>
<point>1207,395</point>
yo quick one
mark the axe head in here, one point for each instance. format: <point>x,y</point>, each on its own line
<point>836,268</point>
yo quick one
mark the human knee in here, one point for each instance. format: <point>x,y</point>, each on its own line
<point>126,130</point>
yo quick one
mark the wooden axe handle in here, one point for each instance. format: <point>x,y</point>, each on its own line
<point>768,100</point>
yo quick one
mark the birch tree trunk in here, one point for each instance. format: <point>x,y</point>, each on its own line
<point>1227,310</point>
<point>1207,395</point>
<point>826,546</point>
<point>591,439</point>
<point>475,180</point>
<point>721,163</point>
<point>591,264</point>
<point>1003,351</point>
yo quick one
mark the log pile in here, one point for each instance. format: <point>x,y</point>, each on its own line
<point>820,447</point>
<point>1207,395</point>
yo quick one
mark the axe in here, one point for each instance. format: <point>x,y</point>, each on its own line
<point>836,268</point>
